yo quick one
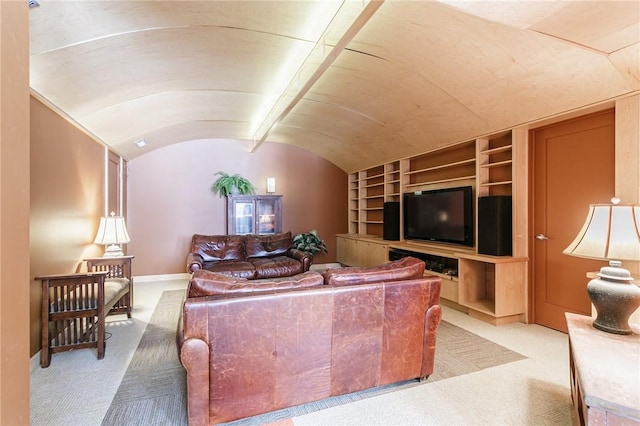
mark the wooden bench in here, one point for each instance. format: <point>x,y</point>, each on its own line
<point>74,306</point>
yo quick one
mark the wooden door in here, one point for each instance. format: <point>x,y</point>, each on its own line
<point>573,167</point>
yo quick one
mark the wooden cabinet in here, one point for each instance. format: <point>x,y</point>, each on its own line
<point>440,262</point>
<point>488,287</point>
<point>492,287</point>
<point>254,214</point>
<point>371,253</point>
<point>355,251</point>
<point>604,374</point>
<point>346,250</point>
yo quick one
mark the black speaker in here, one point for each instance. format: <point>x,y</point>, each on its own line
<point>391,221</point>
<point>494,225</point>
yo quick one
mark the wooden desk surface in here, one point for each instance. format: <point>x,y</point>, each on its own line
<point>607,365</point>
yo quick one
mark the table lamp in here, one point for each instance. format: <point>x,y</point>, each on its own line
<point>611,232</point>
<point>112,232</point>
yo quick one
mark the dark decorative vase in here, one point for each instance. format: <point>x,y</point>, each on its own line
<point>614,297</point>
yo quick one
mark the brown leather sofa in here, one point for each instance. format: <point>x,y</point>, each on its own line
<point>250,347</point>
<point>247,256</point>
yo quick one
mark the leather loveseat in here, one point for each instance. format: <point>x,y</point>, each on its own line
<point>250,347</point>
<point>247,256</point>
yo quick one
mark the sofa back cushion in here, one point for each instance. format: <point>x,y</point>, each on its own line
<point>218,247</point>
<point>207,283</point>
<point>268,245</point>
<point>402,269</point>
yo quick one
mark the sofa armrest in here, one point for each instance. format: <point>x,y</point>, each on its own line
<point>431,323</point>
<point>194,262</point>
<point>194,356</point>
<point>303,257</point>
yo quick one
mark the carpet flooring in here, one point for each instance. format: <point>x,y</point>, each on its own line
<point>153,390</point>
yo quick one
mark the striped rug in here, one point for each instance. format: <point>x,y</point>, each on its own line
<point>153,390</point>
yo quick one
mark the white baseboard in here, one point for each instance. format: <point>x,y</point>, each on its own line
<point>163,277</point>
<point>323,266</point>
<point>34,362</point>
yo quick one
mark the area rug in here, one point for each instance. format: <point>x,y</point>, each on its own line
<point>153,390</point>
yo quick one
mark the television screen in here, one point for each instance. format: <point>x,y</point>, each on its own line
<point>444,215</point>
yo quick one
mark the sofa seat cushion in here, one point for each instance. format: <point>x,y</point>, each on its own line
<point>276,266</point>
<point>267,245</point>
<point>218,247</point>
<point>232,268</point>
<point>113,286</point>
<point>206,283</point>
<point>402,269</point>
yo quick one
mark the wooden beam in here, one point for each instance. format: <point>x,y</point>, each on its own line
<point>266,127</point>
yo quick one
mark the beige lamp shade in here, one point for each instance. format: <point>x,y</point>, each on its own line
<point>112,232</point>
<point>610,232</point>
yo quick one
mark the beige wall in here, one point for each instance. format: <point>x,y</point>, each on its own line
<point>14,213</point>
<point>67,200</point>
<point>169,197</point>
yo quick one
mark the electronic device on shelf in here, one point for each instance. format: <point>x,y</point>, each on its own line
<point>451,272</point>
<point>441,215</point>
<point>440,264</point>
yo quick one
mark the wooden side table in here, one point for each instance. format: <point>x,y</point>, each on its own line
<point>605,374</point>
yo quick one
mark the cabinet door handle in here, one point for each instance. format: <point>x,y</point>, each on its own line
<point>542,237</point>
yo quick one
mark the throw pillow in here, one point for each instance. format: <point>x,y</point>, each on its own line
<point>218,247</point>
<point>268,245</point>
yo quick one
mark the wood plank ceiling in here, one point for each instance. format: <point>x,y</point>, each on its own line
<point>357,82</point>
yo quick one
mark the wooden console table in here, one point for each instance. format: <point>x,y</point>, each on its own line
<point>605,374</point>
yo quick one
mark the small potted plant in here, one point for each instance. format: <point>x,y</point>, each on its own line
<point>227,185</point>
<point>309,242</point>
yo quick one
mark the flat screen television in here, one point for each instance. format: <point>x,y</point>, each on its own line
<point>442,215</point>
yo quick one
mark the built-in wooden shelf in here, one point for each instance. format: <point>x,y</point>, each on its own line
<point>490,151</point>
<point>435,182</point>
<point>504,182</point>
<point>490,288</point>
<point>496,164</point>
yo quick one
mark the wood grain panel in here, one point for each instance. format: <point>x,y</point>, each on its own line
<point>416,76</point>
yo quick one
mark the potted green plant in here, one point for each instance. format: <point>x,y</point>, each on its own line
<point>309,242</point>
<point>227,185</point>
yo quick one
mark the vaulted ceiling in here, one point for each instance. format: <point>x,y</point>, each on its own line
<point>357,82</point>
